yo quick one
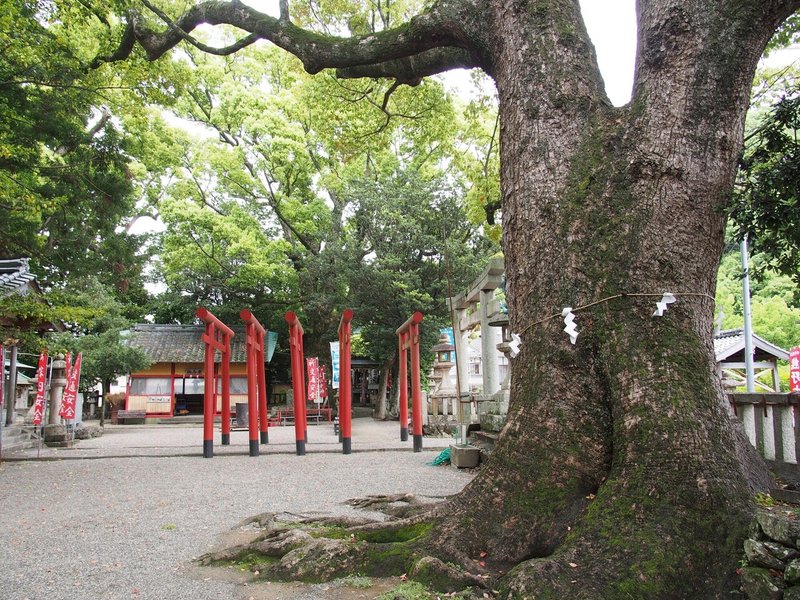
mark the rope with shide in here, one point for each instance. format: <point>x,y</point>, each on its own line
<point>614,297</point>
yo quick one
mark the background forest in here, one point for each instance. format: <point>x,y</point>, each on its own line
<point>143,190</point>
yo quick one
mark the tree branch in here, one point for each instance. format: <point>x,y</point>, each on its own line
<point>242,43</point>
<point>423,33</point>
<point>411,69</point>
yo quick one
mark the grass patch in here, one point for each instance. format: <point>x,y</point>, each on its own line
<point>409,590</point>
<point>355,581</point>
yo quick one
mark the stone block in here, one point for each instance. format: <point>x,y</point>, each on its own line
<point>759,556</point>
<point>54,433</point>
<point>779,528</point>
<point>464,457</point>
<point>760,584</point>
<point>492,422</point>
<point>781,552</point>
<point>792,573</point>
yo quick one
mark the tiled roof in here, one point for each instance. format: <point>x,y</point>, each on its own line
<point>15,275</point>
<point>731,341</point>
<point>181,343</point>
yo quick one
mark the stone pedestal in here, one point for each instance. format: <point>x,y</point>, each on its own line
<point>495,410</point>
<point>57,436</point>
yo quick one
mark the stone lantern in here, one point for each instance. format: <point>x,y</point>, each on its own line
<point>443,393</point>
<point>55,434</point>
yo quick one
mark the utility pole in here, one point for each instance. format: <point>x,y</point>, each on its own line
<point>748,322</point>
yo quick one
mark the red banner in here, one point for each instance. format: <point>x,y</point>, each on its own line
<point>323,383</point>
<point>71,391</point>
<point>794,369</point>
<point>2,372</point>
<point>41,376</point>
<point>312,367</point>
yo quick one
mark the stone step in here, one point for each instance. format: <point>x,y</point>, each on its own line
<point>485,440</point>
<point>17,437</point>
<point>491,422</point>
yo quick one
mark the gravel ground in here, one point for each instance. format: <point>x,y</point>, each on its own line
<point>121,516</point>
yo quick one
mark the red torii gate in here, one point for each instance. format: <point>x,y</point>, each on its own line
<point>256,381</point>
<point>345,383</point>
<point>216,337</point>
<point>298,381</point>
<point>408,338</point>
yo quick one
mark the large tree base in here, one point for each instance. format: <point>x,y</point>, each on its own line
<point>648,555</point>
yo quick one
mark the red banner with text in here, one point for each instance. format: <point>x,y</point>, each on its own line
<point>71,391</point>
<point>323,383</point>
<point>794,369</point>
<point>41,377</point>
<point>312,365</point>
<point>2,373</point>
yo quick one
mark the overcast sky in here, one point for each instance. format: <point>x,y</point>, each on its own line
<point>612,27</point>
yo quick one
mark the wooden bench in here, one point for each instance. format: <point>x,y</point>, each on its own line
<point>130,416</point>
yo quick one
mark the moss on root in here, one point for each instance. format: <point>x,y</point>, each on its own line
<point>247,560</point>
<point>384,535</point>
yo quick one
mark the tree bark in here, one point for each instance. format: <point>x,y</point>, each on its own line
<point>620,472</point>
<point>619,461</point>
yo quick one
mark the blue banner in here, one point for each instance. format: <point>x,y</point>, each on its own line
<point>335,365</point>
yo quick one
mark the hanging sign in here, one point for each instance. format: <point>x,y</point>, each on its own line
<point>335,365</point>
<point>41,374</point>
<point>312,367</point>
<point>71,391</point>
<point>2,372</point>
<point>794,369</point>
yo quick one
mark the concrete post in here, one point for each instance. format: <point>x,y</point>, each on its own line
<point>489,341</point>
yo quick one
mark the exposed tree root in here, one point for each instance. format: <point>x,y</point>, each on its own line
<point>381,500</point>
<point>317,549</point>
<point>400,506</point>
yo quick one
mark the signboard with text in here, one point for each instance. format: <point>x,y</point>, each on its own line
<point>794,369</point>
<point>41,375</point>
<point>70,398</point>
<point>313,380</point>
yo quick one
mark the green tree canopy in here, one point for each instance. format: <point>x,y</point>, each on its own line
<point>297,200</point>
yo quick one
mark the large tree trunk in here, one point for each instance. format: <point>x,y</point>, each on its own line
<point>619,461</point>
